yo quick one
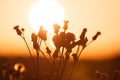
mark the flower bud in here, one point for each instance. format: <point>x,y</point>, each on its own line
<point>42,34</point>
<point>96,35</point>
<point>65,27</point>
<point>75,58</point>
<point>34,39</point>
<point>56,28</point>
<point>17,30</point>
<point>82,36</point>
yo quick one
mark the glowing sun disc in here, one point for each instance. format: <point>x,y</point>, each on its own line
<point>45,13</point>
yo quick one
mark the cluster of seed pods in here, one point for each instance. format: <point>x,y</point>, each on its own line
<point>64,42</point>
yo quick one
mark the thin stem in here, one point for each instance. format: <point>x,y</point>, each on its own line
<point>84,48</point>
<point>78,58</point>
<point>52,69</point>
<point>39,42</point>
<point>28,47</point>
<point>44,56</point>
<point>63,69</point>
<point>78,48</point>
<point>80,52</point>
<point>60,62</point>
<point>43,52</point>
<point>51,58</point>
<point>89,42</point>
<point>38,77</point>
<point>29,53</point>
<point>53,63</point>
<point>69,78</point>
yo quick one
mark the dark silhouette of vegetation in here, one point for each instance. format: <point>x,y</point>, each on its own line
<point>105,76</point>
<point>84,70</point>
<point>9,73</point>
<point>64,42</point>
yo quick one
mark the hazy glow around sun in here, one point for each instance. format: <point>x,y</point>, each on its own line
<point>45,13</point>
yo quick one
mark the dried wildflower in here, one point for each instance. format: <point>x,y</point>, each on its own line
<point>82,36</point>
<point>69,38</point>
<point>17,30</point>
<point>16,27</point>
<point>56,41</point>
<point>62,39</point>
<point>42,34</point>
<point>84,42</point>
<point>96,35</point>
<point>20,32</point>
<point>65,27</point>
<point>34,39</point>
<point>56,28</point>
<point>75,58</point>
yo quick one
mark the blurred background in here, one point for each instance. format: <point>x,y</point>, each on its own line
<point>96,15</point>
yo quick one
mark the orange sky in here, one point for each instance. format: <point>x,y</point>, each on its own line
<point>95,15</point>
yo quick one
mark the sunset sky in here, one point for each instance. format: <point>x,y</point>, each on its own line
<point>95,15</point>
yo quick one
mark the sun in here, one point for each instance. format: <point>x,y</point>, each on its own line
<point>45,13</point>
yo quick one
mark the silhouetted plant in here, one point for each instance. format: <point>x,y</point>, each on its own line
<point>20,33</point>
<point>10,73</point>
<point>4,72</point>
<point>105,76</point>
<point>96,35</point>
<point>64,42</point>
<point>18,30</point>
<point>34,39</point>
<point>42,34</point>
<point>56,28</point>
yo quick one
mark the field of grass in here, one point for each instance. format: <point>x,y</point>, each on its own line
<point>84,70</point>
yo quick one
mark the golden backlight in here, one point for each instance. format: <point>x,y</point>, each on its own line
<point>45,13</point>
<point>95,15</point>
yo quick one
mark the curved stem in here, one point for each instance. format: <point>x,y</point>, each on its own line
<point>89,43</point>
<point>84,48</point>
<point>29,53</point>
<point>44,56</point>
<point>52,69</point>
